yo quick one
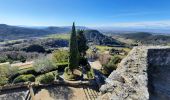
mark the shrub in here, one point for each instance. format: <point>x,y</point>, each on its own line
<point>17,73</point>
<point>5,73</point>
<point>111,65</point>
<point>90,74</point>
<point>3,80</point>
<point>43,65</point>
<point>60,56</point>
<point>46,78</point>
<point>69,75</point>
<point>11,56</point>
<point>24,78</point>
<point>35,48</point>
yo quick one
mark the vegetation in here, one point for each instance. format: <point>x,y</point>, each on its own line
<point>82,42</point>
<point>145,38</point>
<point>59,36</point>
<point>13,33</point>
<point>99,39</point>
<point>69,75</point>
<point>103,48</point>
<point>24,78</point>
<point>111,65</point>
<point>47,77</point>
<point>35,48</point>
<point>90,74</point>
<point>73,50</point>
<point>43,65</point>
<point>60,56</point>
<point>6,71</point>
<point>12,56</point>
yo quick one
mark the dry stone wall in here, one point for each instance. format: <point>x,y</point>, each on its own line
<point>143,75</point>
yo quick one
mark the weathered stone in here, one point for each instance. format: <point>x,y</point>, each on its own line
<point>142,75</point>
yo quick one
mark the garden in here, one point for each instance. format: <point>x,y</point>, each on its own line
<point>62,64</point>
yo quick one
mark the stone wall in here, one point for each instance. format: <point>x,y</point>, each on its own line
<point>142,75</point>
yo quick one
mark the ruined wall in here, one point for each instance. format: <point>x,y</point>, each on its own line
<point>142,75</point>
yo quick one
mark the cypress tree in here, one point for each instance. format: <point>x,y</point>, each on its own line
<point>82,42</point>
<point>73,50</point>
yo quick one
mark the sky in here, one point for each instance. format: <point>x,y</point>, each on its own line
<point>90,13</point>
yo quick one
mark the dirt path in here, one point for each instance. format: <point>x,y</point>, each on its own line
<point>66,93</point>
<point>95,65</point>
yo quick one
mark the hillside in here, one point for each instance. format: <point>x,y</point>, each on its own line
<point>146,38</point>
<point>15,32</point>
<point>98,38</point>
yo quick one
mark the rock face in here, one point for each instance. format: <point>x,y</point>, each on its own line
<point>143,75</point>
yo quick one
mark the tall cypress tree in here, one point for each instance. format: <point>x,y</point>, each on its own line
<point>82,43</point>
<point>74,53</point>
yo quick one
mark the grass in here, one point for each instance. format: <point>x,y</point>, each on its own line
<point>59,36</point>
<point>103,48</point>
<point>107,48</point>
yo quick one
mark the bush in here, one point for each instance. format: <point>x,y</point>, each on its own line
<point>11,56</point>
<point>111,65</point>
<point>90,74</point>
<point>43,65</point>
<point>3,80</point>
<point>24,78</point>
<point>46,78</point>
<point>69,75</point>
<point>6,71</point>
<point>35,48</point>
<point>60,56</point>
<point>17,73</point>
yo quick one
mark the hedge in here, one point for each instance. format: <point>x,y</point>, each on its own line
<point>47,77</point>
<point>30,70</point>
<point>24,78</point>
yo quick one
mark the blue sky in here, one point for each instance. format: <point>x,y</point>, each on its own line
<point>92,13</point>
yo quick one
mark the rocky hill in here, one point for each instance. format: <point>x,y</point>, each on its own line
<point>142,75</point>
<point>100,39</point>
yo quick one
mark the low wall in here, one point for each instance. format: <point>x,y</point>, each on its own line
<point>142,75</point>
<point>25,85</point>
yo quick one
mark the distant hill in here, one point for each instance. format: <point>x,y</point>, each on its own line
<point>147,38</point>
<point>9,32</point>
<point>100,39</point>
<point>18,32</point>
<point>137,36</point>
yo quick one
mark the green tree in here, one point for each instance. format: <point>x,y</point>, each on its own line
<point>82,42</point>
<point>73,50</point>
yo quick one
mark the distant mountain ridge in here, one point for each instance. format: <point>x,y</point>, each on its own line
<point>9,32</point>
<point>17,32</point>
<point>147,38</point>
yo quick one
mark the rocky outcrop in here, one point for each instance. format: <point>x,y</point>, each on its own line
<point>142,75</point>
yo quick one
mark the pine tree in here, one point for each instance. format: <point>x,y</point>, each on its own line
<point>74,53</point>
